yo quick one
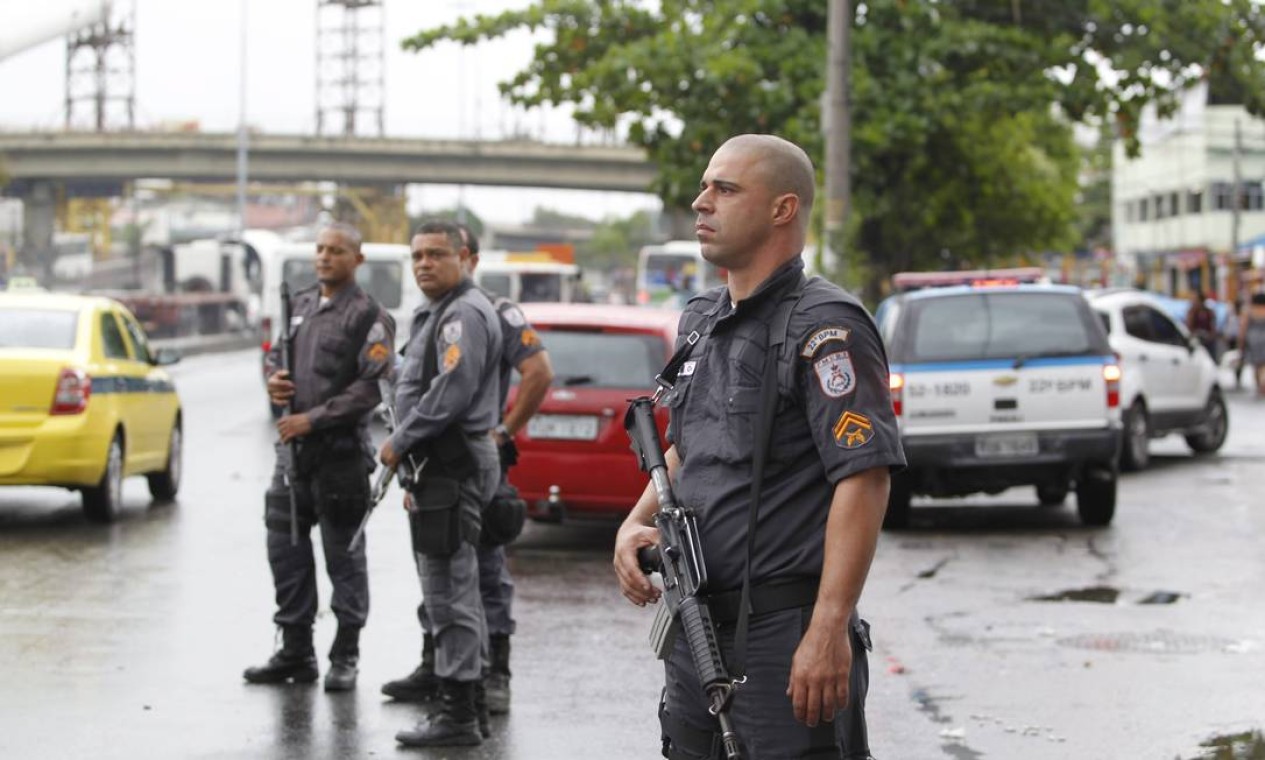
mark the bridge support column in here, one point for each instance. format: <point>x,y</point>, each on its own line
<point>39,213</point>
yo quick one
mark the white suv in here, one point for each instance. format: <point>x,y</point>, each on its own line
<point>997,387</point>
<point>1170,382</point>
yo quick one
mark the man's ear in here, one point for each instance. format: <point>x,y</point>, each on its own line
<point>785,209</point>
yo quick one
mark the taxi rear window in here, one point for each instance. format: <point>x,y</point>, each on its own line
<point>37,328</point>
<point>998,326</point>
<point>583,359</point>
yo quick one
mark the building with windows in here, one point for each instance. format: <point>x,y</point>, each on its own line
<point>1173,207</point>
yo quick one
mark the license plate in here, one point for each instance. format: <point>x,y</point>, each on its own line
<point>1010,445</point>
<point>563,427</point>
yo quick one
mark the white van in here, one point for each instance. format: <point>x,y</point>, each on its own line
<point>531,281</point>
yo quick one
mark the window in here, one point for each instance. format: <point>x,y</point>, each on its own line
<point>139,342</point>
<point>1161,206</point>
<point>1143,210</point>
<point>1164,330</point>
<point>37,328</point>
<point>1137,323</point>
<point>1195,202</point>
<point>1105,318</point>
<point>497,283</point>
<point>1175,204</point>
<point>112,343</point>
<point>604,360</point>
<point>383,280</point>
<point>1222,196</point>
<point>1000,326</point>
<point>1251,196</point>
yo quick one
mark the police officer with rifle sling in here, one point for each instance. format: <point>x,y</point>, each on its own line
<point>447,400</point>
<point>766,509</point>
<point>337,345</point>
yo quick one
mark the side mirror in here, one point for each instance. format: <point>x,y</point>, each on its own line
<point>164,357</point>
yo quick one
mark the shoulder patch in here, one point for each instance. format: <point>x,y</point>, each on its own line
<point>835,374</point>
<point>822,337</point>
<point>452,357</point>
<point>853,430</point>
<point>377,333</point>
<point>531,338</point>
<point>378,352</point>
<point>452,331</point>
<point>513,316</point>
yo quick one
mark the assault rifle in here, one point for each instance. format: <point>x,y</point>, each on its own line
<point>679,560</point>
<point>287,364</point>
<point>412,470</point>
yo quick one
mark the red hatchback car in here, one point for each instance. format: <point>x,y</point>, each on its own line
<point>575,460</point>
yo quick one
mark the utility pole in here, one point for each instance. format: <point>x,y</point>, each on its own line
<point>837,122</point>
<point>242,134</point>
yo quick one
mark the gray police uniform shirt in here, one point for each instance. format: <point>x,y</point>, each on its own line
<point>336,366</point>
<point>833,419</point>
<point>465,392</point>
<point>519,341</point>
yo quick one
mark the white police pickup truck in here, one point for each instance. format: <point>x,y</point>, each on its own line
<point>1003,386</point>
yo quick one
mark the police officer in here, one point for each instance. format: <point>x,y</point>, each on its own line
<point>447,399</point>
<point>342,344</point>
<point>833,441</point>
<point>521,351</point>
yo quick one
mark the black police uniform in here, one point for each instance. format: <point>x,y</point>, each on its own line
<point>833,419</point>
<point>342,346</point>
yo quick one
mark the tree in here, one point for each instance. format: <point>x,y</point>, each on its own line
<point>961,108</point>
<point>616,242</point>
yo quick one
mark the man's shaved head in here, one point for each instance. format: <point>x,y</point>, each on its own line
<point>783,165</point>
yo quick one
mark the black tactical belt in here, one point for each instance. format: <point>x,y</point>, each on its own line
<point>773,596</point>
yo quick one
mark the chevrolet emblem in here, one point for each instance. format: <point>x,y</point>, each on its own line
<point>1005,381</point>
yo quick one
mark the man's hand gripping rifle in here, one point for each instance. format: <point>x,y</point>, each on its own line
<point>408,475</point>
<point>679,559</point>
<point>287,364</point>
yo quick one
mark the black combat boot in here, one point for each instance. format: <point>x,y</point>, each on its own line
<point>422,685</point>
<point>481,709</point>
<point>456,723</point>
<point>343,657</point>
<point>497,680</point>
<point>294,661</point>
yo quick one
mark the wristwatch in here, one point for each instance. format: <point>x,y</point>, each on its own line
<point>502,431</point>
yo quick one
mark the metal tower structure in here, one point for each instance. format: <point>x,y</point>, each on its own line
<point>350,66</point>
<point>100,72</point>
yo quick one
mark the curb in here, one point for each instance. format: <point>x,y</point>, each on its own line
<point>208,344</point>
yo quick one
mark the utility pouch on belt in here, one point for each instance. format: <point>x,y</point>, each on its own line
<point>435,522</point>
<point>341,487</point>
<point>449,455</point>
<point>504,517</point>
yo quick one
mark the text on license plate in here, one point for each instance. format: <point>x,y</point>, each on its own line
<point>1007,445</point>
<point>564,427</point>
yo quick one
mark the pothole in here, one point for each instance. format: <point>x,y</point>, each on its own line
<point>1105,595</point>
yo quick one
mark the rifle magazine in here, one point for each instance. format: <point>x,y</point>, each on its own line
<point>663,631</point>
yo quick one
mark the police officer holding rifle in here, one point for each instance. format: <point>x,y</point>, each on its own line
<point>342,345</point>
<point>782,438</point>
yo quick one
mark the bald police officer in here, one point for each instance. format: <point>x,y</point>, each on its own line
<point>834,440</point>
<point>342,345</point>
<point>447,399</point>
<point>522,352</point>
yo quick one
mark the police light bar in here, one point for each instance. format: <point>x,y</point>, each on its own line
<point>903,282</point>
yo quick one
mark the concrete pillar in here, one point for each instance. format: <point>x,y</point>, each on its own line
<point>678,223</point>
<point>38,215</point>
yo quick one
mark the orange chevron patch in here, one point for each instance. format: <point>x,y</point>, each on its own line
<point>853,430</point>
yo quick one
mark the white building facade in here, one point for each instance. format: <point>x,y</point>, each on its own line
<point>1173,206</point>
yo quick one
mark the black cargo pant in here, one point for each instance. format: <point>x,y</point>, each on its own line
<point>762,714</point>
<point>334,494</point>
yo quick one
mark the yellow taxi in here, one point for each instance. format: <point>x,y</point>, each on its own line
<point>84,402</point>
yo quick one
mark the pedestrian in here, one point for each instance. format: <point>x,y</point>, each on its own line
<point>1252,339</point>
<point>834,441</point>
<point>446,401</point>
<point>521,351</point>
<point>342,345</point>
<point>1201,321</point>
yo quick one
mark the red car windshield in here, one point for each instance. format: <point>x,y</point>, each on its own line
<point>603,360</point>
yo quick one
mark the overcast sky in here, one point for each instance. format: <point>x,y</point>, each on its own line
<point>187,57</point>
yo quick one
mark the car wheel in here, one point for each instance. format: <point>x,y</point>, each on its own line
<point>102,501</point>
<point>1052,494</point>
<point>1216,427</point>
<point>899,501</point>
<point>164,485</point>
<point>1096,496</point>
<point>1136,451</point>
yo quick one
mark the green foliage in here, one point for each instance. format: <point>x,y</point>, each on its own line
<point>961,108</point>
<point>616,241</point>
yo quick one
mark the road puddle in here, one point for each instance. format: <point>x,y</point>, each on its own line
<point>1249,745</point>
<point>1098,594</point>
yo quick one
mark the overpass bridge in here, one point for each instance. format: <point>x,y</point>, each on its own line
<point>41,167</point>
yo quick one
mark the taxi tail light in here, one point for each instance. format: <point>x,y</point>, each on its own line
<point>265,326</point>
<point>74,388</point>
<point>1111,374</point>
<point>896,382</point>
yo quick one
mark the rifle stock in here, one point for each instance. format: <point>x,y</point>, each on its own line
<point>679,560</point>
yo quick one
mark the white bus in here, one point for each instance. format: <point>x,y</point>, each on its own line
<point>528,278</point>
<point>668,275</point>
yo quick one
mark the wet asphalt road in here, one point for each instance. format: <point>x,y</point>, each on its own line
<point>127,641</point>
